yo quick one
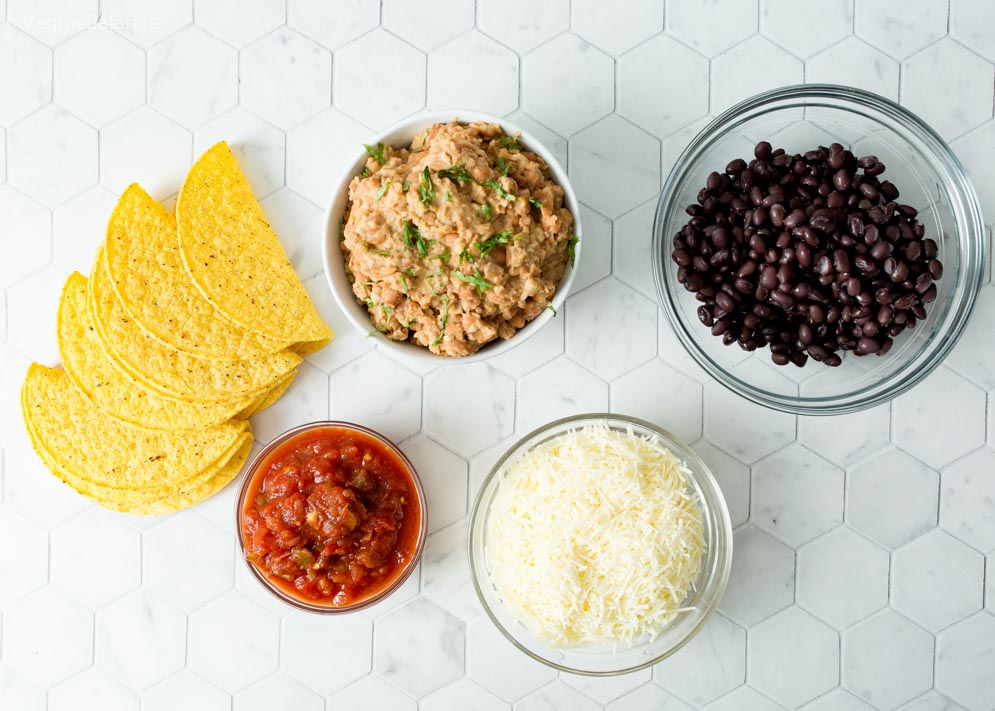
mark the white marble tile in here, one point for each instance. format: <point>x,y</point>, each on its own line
<point>940,440</point>
<point>254,18</point>
<point>540,348</point>
<point>187,547</point>
<point>713,663</point>
<point>51,21</point>
<point>331,134</point>
<point>429,24</point>
<point>837,700</point>
<point>349,343</point>
<point>373,694</point>
<point>13,366</point>
<point>469,424</point>
<point>32,307</point>
<point>332,25</point>
<point>521,24</point>
<point>463,694</point>
<point>419,647</point>
<point>286,77</point>
<point>855,63</point>
<point>745,430</point>
<point>872,507</point>
<point>965,665</point>
<point>99,76</point>
<point>797,495</point>
<point>79,227</point>
<point>793,657</point>
<point>52,155</point>
<point>614,166</point>
<point>900,27</point>
<point>25,74</point>
<point>377,392</point>
<point>652,74</point>
<point>553,142</point>
<point>714,26</point>
<point>145,22</point>
<point>443,476</point>
<point>298,223</point>
<point>92,691</point>
<point>24,565</point>
<point>556,696</point>
<point>382,60</point>
<point>566,102</point>
<point>648,698</point>
<point>91,579</point>
<point>278,691</point>
<point>444,573</point>
<point>947,86</point>
<point>455,70</point>
<point>969,21</point>
<point>185,691</point>
<point>306,400</point>
<point>848,438</point>
<point>595,259</point>
<point>750,68</point>
<point>141,640</point>
<point>408,591</point>
<point>661,395</point>
<point>967,499</point>
<point>932,701</point>
<point>232,642</point>
<point>733,477</point>
<point>326,652</point>
<point>248,587</point>
<point>47,637</point>
<point>606,689</point>
<point>842,599</point>
<point>780,20</point>
<point>887,660</point>
<point>762,580</point>
<point>20,693</point>
<point>972,150</point>
<point>632,258</point>
<point>744,699</point>
<point>31,489</point>
<point>259,147</point>
<point>494,663</point>
<point>610,329</point>
<point>936,580</point>
<point>601,24</point>
<point>971,356</point>
<point>558,389</point>
<point>675,143</point>
<point>127,155</point>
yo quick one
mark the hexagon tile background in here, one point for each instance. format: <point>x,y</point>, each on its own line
<point>862,542</point>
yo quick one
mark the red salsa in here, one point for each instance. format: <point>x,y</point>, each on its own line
<point>331,516</point>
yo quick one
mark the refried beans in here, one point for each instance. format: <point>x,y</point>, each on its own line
<point>459,239</point>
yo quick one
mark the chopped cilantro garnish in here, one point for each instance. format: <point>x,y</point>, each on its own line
<point>552,308</point>
<point>426,190</point>
<point>488,245</point>
<point>465,256</point>
<point>428,280</point>
<point>487,212</point>
<point>404,186</point>
<point>388,312</point>
<point>502,166</point>
<point>442,320</point>
<point>448,197</point>
<point>404,283</point>
<point>458,173</point>
<point>375,153</point>
<point>477,280</point>
<point>412,272</point>
<point>383,190</point>
<point>496,187</point>
<point>446,254</point>
<point>571,245</point>
<point>509,142</point>
<point>535,203</point>
<point>370,303</point>
<point>413,238</point>
<point>365,174</point>
<point>381,252</point>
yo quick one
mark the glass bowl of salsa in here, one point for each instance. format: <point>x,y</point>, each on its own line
<point>331,517</point>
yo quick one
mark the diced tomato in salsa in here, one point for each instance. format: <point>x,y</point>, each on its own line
<point>331,516</point>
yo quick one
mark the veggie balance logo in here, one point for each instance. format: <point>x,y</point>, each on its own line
<point>64,24</point>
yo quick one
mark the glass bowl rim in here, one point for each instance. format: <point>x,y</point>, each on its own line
<point>968,218</point>
<point>300,604</point>
<point>701,472</point>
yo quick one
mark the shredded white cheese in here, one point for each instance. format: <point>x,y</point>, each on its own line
<point>595,537</point>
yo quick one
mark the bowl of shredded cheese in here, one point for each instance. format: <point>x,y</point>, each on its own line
<point>600,544</point>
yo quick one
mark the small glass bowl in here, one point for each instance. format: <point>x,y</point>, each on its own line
<point>930,178</point>
<point>253,470</point>
<point>603,660</point>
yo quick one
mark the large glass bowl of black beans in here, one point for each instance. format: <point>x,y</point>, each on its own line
<point>818,249</point>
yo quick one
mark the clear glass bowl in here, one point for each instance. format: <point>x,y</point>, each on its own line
<point>253,471</point>
<point>602,660</point>
<point>930,178</point>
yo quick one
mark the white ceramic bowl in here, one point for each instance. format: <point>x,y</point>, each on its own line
<point>401,135</point>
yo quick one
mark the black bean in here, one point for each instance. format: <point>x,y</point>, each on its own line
<point>866,346</point>
<point>796,218</point>
<point>935,268</point>
<point>705,316</point>
<point>714,181</point>
<point>929,296</point>
<point>725,302</point>
<point>736,167</point>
